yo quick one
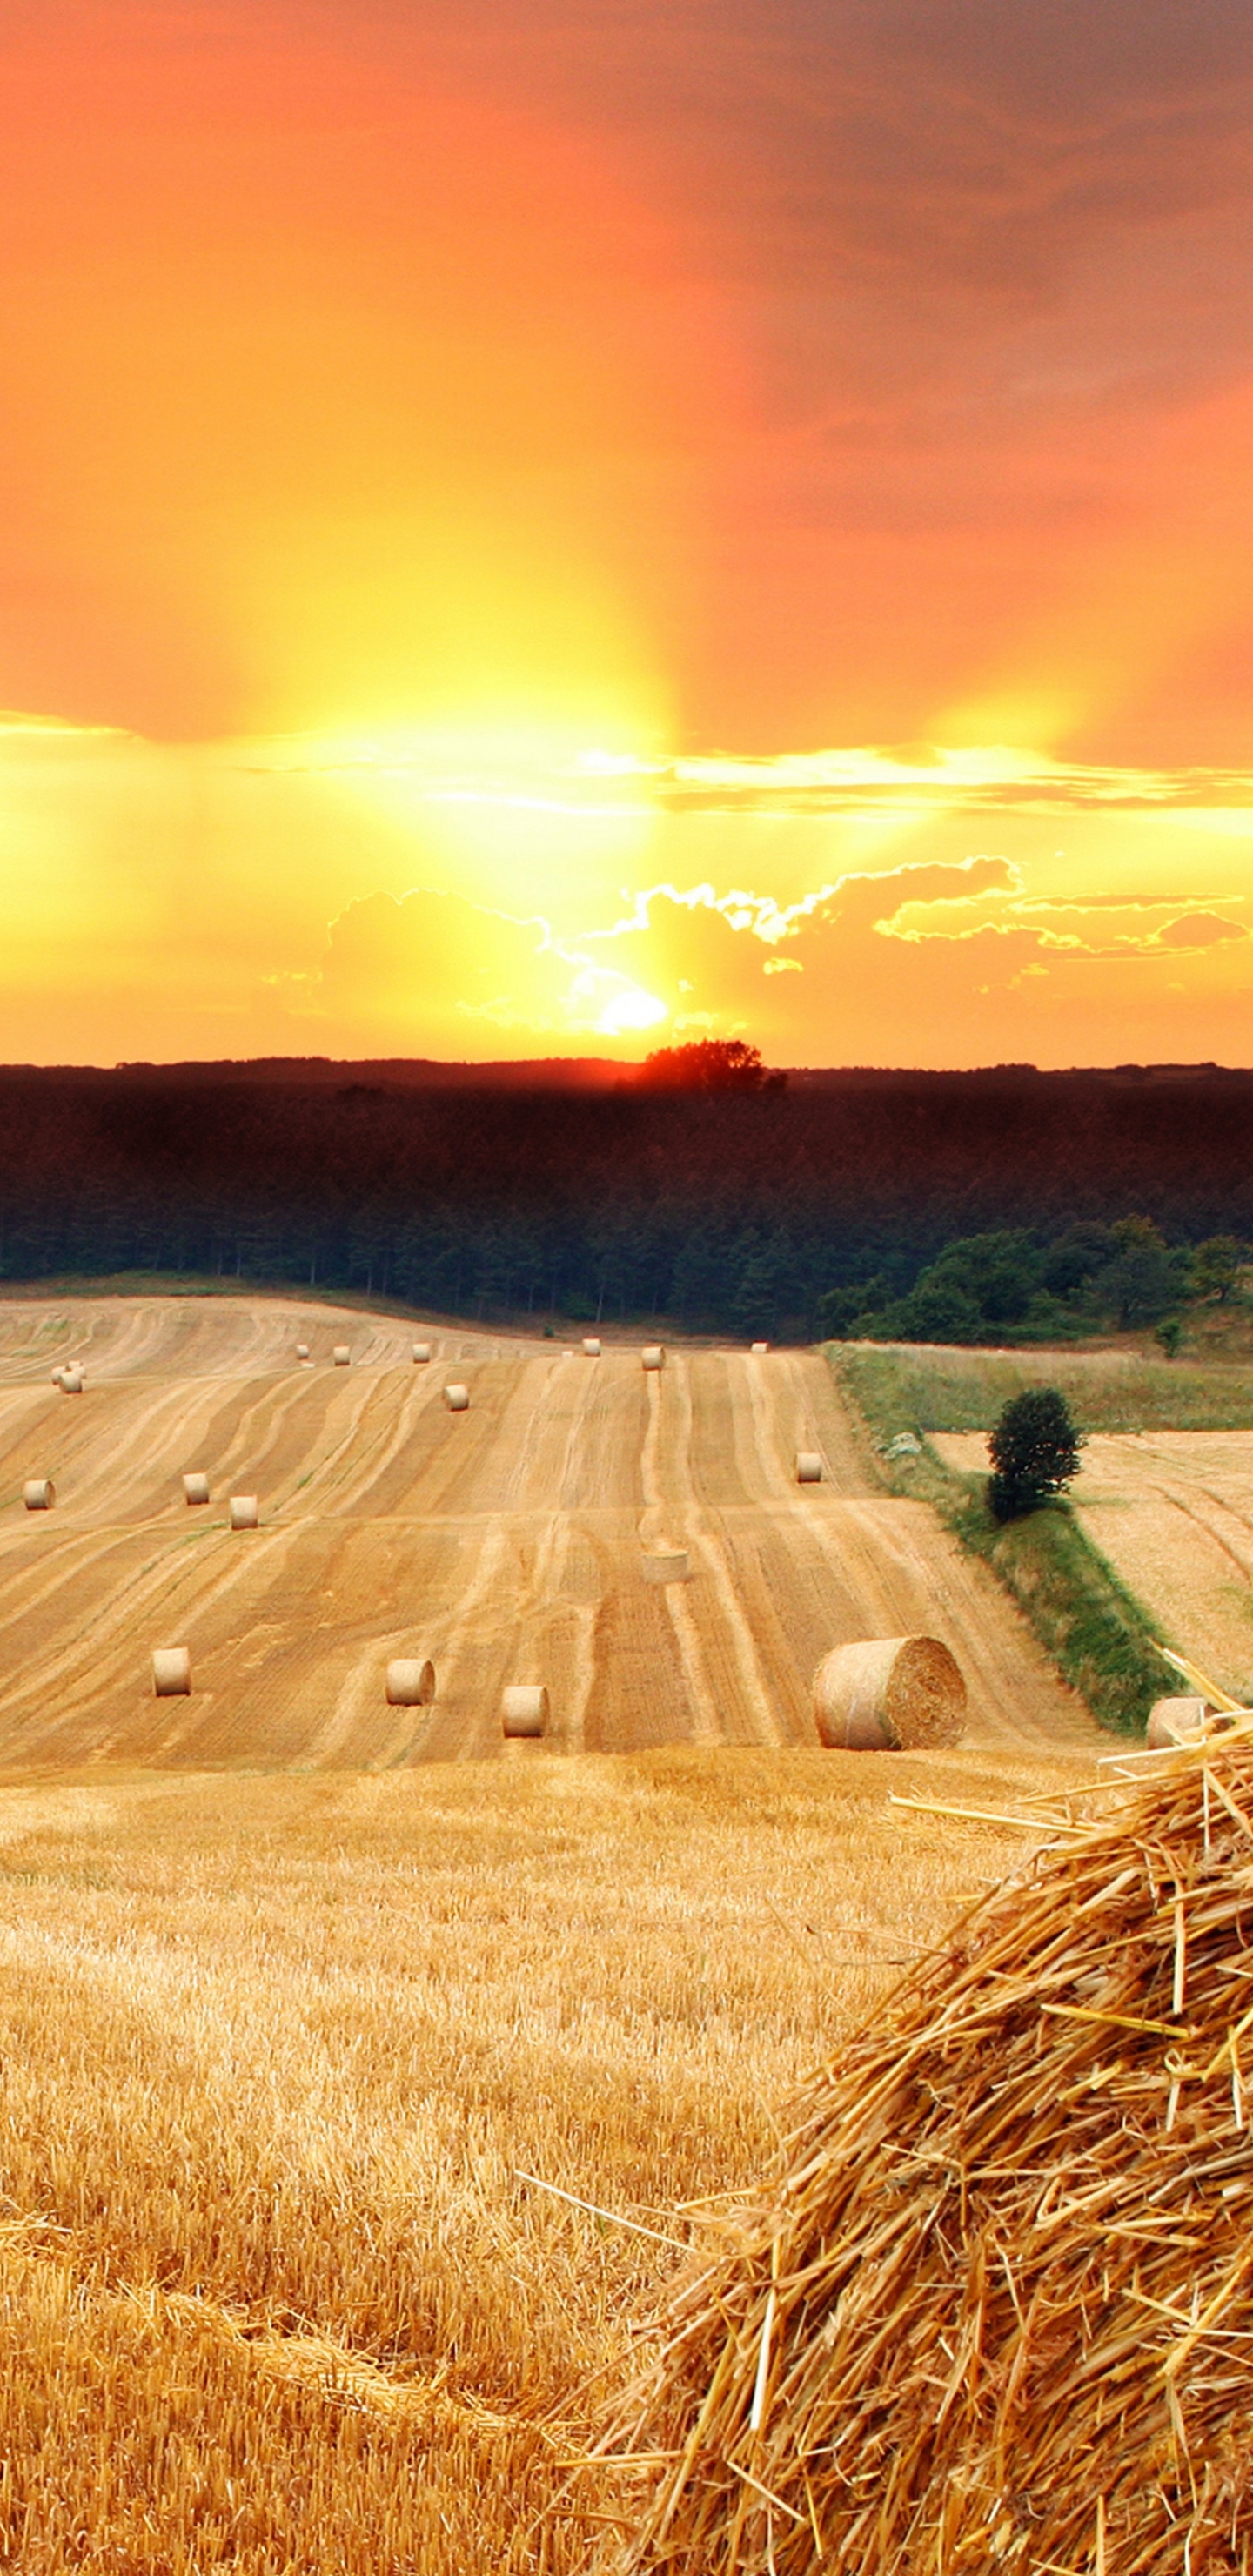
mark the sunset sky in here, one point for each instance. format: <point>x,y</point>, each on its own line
<point>552,526</point>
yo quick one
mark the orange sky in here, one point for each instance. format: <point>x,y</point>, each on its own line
<point>528,530</point>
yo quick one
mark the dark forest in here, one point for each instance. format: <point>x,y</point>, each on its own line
<point>579,1192</point>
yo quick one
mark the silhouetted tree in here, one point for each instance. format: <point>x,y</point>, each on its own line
<point>709,1064</point>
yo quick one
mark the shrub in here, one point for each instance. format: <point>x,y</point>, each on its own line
<point>1034,1451</point>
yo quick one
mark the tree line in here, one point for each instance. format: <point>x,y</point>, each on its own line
<point>986,1205</point>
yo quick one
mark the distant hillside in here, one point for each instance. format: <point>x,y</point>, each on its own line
<point>476,1188</point>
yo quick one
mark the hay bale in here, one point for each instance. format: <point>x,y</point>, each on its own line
<point>993,2310</point>
<point>457,1399</point>
<point>653,1355</point>
<point>1177,1721</point>
<point>302,1350</point>
<point>39,1494</point>
<point>341,1355</point>
<point>591,1348</point>
<point>410,1681</point>
<point>808,1467</point>
<point>524,1709</point>
<point>243,1511</point>
<point>889,1694</point>
<point>758,1348</point>
<point>195,1488</point>
<point>57,1375</point>
<point>72,1381</point>
<point>666,1565</point>
<point>171,1671</point>
<point>421,1354</point>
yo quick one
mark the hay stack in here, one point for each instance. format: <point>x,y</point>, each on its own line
<point>591,1347</point>
<point>171,1671</point>
<point>302,1350</point>
<point>341,1355</point>
<point>653,1355</point>
<point>243,1511</point>
<point>995,2313</point>
<point>39,1494</point>
<point>524,1709</point>
<point>457,1399</point>
<point>889,1694</point>
<point>421,1354</point>
<point>57,1376</point>
<point>72,1381</point>
<point>758,1349</point>
<point>195,1488</point>
<point>1176,1721</point>
<point>808,1467</point>
<point>410,1681</point>
<point>666,1565</point>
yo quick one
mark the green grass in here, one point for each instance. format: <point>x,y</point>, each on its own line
<point>901,1389</point>
<point>1100,1637</point>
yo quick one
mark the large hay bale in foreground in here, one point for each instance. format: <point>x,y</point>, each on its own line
<point>39,1493</point>
<point>889,1694</point>
<point>994,2314</point>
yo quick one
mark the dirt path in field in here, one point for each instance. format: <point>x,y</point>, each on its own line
<point>507,1542</point>
<point>1172,1511</point>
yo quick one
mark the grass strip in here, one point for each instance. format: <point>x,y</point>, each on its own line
<point>1098,1634</point>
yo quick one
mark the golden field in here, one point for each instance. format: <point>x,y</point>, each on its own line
<point>295,1986</point>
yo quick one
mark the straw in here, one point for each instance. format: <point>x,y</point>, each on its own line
<point>994,2309</point>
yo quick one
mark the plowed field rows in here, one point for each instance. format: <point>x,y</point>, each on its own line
<point>506,1542</point>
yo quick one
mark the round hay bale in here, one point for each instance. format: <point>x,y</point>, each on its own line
<point>653,1355</point>
<point>1177,1721</point>
<point>990,2306</point>
<point>889,1694</point>
<point>421,1354</point>
<point>808,1467</point>
<point>72,1381</point>
<point>302,1350</point>
<point>410,1681</point>
<point>757,1349</point>
<point>457,1399</point>
<point>243,1511</point>
<point>341,1355</point>
<point>524,1709</point>
<point>591,1348</point>
<point>195,1488</point>
<point>39,1494</point>
<point>171,1671</point>
<point>57,1375</point>
<point>666,1565</point>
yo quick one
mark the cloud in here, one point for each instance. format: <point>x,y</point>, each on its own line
<point>1199,930</point>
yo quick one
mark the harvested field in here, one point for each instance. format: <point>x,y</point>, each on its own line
<point>273,2053</point>
<point>992,2306</point>
<point>1172,1511</point>
<point>276,2050</point>
<point>507,1540</point>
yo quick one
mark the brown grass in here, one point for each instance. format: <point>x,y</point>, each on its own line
<point>272,2054</point>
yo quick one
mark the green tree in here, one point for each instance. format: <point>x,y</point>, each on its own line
<point>1216,1267</point>
<point>1168,1335</point>
<point>1142,1279</point>
<point>1034,1451</point>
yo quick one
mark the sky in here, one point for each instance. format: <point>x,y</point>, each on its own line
<point>537,527</point>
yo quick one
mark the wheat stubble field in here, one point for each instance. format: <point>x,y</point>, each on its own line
<point>295,1986</point>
